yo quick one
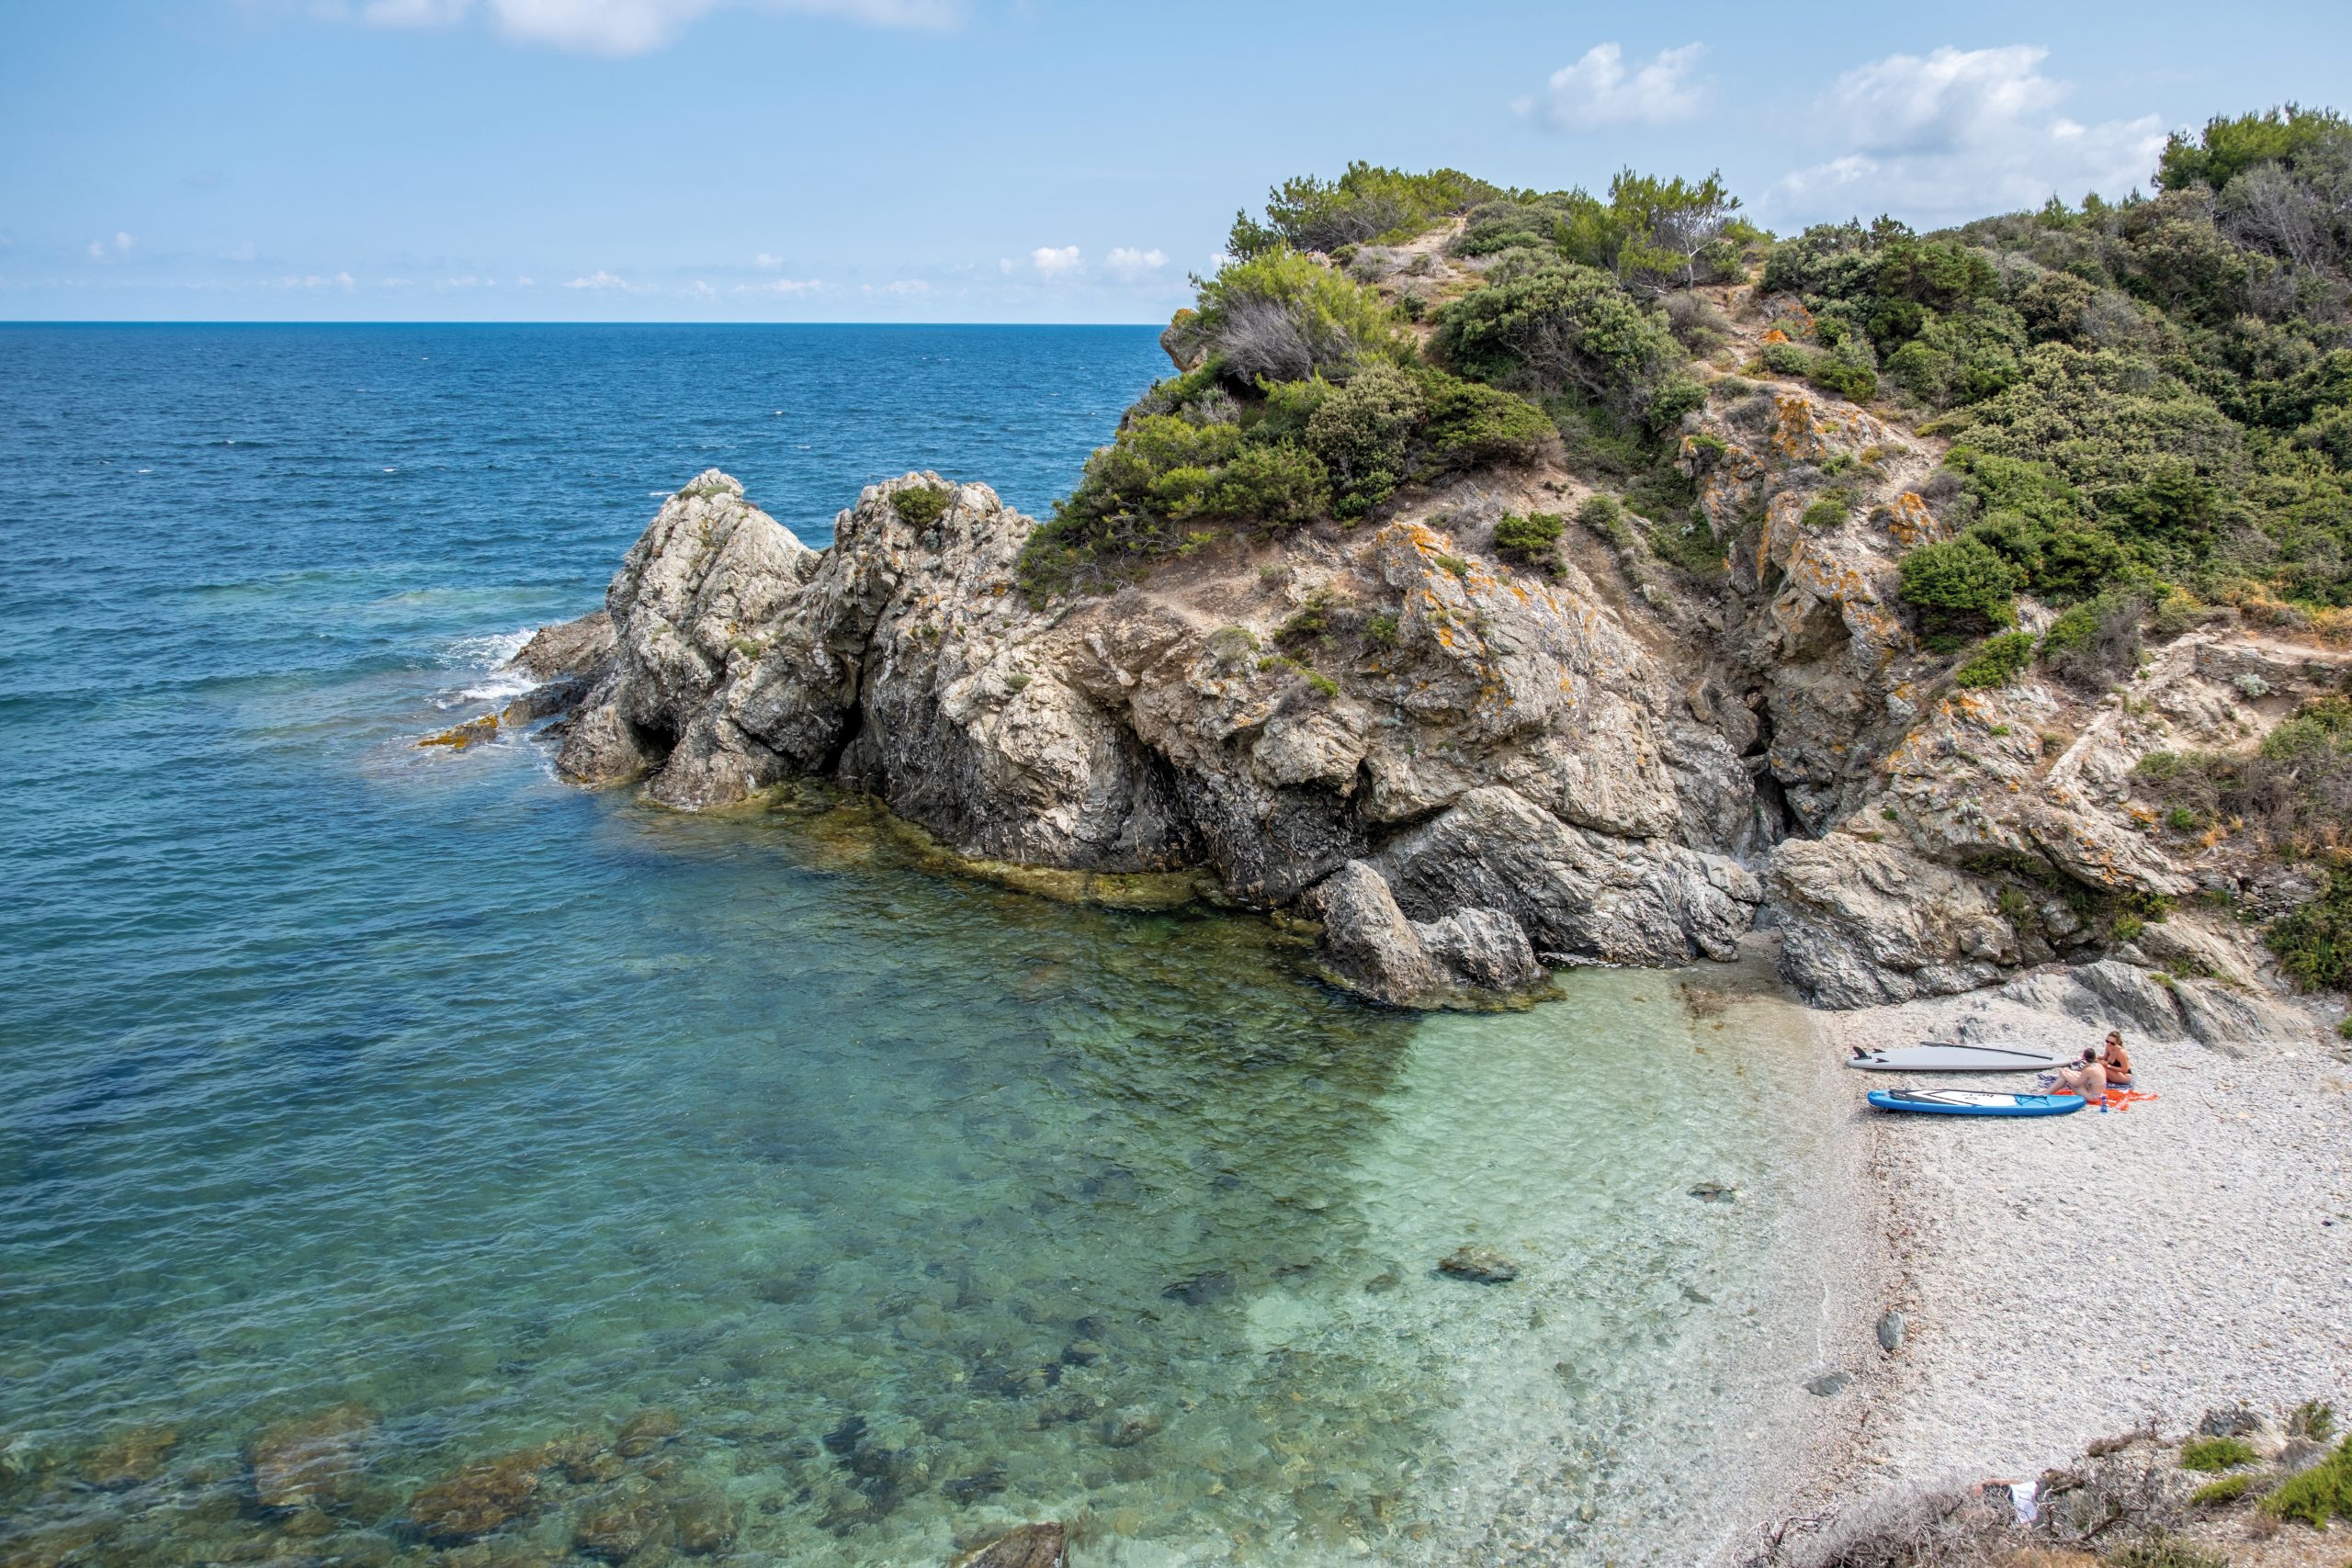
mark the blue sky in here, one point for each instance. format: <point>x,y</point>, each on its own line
<point>992,160</point>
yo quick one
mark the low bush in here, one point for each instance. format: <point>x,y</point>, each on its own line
<point>2319,1494</point>
<point>1830,510</point>
<point>1569,328</point>
<point>2216,1453</point>
<point>1367,203</point>
<point>2313,1418</point>
<point>2096,644</point>
<point>1285,317</point>
<point>2162,1551</point>
<point>1997,661</point>
<point>2314,943</point>
<point>1961,584</point>
<point>2292,794</point>
<point>2220,1493</point>
<point>919,506</point>
<point>1530,541</point>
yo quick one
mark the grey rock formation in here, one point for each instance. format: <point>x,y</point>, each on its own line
<point>1863,923</point>
<point>1466,769</point>
<point>1370,946</point>
<point>2230,1017</point>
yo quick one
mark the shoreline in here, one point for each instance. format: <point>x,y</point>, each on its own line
<point>2201,1242</point>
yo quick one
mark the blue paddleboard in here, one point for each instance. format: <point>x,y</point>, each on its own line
<point>1974,1102</point>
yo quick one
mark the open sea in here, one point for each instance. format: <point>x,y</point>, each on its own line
<point>387,1134</point>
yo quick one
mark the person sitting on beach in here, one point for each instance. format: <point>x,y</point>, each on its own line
<point>2117,1061</point>
<point>2087,1078</point>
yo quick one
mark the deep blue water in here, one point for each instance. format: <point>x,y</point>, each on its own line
<point>340,1076</point>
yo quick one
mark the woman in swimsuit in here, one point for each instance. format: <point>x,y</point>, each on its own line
<point>2117,1062</point>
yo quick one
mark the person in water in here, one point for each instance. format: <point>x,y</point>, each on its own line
<point>2117,1061</point>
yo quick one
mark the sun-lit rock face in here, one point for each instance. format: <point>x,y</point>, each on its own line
<point>1464,768</point>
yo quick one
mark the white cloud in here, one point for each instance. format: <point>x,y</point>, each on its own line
<point>1598,90</point>
<point>633,27</point>
<point>103,251</point>
<point>1954,133</point>
<point>780,286</point>
<point>1054,261</point>
<point>702,290</point>
<point>525,283</point>
<point>904,286</point>
<point>602,280</point>
<point>313,280</point>
<point>768,261</point>
<point>1131,264</point>
<point>244,252</point>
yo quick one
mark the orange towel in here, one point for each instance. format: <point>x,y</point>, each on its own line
<point>2124,1099</point>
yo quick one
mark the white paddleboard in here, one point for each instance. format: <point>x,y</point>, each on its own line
<point>1940,1056</point>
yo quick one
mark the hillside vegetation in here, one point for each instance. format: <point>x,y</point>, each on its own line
<point>2144,407</point>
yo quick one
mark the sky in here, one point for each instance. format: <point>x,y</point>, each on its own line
<point>997,160</point>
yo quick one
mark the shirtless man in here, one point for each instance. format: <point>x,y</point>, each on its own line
<point>2088,1078</point>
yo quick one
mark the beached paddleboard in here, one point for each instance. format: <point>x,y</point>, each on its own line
<point>1974,1102</point>
<point>1942,1057</point>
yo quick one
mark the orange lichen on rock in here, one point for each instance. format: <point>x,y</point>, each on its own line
<point>1775,335</point>
<point>1909,520</point>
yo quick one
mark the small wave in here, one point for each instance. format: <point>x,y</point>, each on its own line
<point>486,650</point>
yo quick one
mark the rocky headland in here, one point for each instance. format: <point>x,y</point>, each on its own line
<point>1466,769</point>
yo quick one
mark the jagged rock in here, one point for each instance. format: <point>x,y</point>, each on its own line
<point>1371,947</point>
<point>1576,893</point>
<point>2114,995</point>
<point>471,733</point>
<point>1864,924</point>
<point>568,649</point>
<point>1031,1546</point>
<point>1525,766</point>
<point>2239,1023</point>
<point>2135,996</point>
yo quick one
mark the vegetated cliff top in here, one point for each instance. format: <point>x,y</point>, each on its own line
<point>1508,578</point>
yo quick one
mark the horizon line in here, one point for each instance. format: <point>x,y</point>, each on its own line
<point>540,322</point>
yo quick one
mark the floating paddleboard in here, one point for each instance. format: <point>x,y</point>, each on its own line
<point>1974,1102</point>
<point>1942,1057</point>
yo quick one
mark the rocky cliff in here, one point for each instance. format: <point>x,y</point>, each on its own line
<point>1464,770</point>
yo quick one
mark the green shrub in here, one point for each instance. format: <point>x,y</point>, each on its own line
<point>2096,644</point>
<point>1830,510</point>
<point>2314,943</point>
<point>1605,517</point>
<point>2217,1453</point>
<point>919,506</point>
<point>1569,328</point>
<point>1997,661</point>
<point>1282,316</point>
<point>1361,433</point>
<point>2227,1490</point>
<point>1455,564</point>
<point>1962,582</point>
<point>1380,630</point>
<point>1367,203</point>
<point>1532,541</point>
<point>1469,426</point>
<point>2319,1494</point>
<point>2313,1418</point>
<point>2228,147</point>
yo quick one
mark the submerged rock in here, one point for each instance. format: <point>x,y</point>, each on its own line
<point>129,1458</point>
<point>644,1432</point>
<point>1482,1265</point>
<point>480,1497</point>
<point>308,1462</point>
<point>1031,1546</point>
<point>473,732</point>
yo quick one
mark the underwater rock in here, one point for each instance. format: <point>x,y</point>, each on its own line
<point>702,1522</point>
<point>129,1458</point>
<point>1201,1289</point>
<point>309,1461</point>
<point>1480,1265</point>
<point>1714,1193</point>
<point>644,1432</point>
<point>471,733</point>
<point>618,1523</point>
<point>1125,1428</point>
<point>1031,1546</point>
<point>480,1497</point>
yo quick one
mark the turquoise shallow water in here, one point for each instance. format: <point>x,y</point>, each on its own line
<point>481,1114</point>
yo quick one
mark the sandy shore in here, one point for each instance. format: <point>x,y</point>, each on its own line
<point>2067,1278</point>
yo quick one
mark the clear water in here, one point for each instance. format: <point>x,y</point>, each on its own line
<point>339,1075</point>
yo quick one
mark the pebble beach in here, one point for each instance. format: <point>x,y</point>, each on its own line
<point>2067,1278</point>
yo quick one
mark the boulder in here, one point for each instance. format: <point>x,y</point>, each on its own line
<point>1370,946</point>
<point>309,1461</point>
<point>1479,1265</point>
<point>481,1497</point>
<point>1865,923</point>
